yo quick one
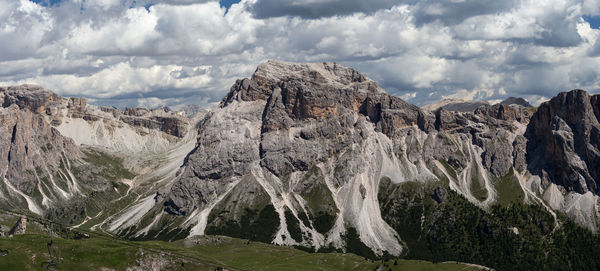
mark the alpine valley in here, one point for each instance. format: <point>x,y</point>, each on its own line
<point>319,157</point>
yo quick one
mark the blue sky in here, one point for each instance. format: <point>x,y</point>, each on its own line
<point>224,3</point>
<point>46,2</point>
<point>118,53</point>
<point>227,3</point>
<point>593,20</point>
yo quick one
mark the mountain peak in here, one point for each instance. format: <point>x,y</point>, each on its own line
<point>564,133</point>
<point>32,97</point>
<point>320,77</point>
<point>329,73</point>
<point>458,105</point>
<point>517,101</point>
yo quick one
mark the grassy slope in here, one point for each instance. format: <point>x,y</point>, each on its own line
<point>29,252</point>
<point>508,189</point>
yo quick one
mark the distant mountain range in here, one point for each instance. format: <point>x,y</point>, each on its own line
<point>459,105</point>
<point>318,156</point>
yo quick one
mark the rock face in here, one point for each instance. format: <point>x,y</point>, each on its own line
<point>151,119</point>
<point>34,98</point>
<point>34,153</point>
<point>516,101</point>
<point>456,105</point>
<point>53,151</point>
<point>20,227</point>
<point>564,137</point>
<point>328,96</point>
<point>296,155</point>
<point>132,130</point>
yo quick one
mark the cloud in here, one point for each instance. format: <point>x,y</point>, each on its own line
<point>549,23</point>
<point>591,7</point>
<point>315,8</point>
<point>127,53</point>
<point>22,29</point>
<point>122,79</point>
<point>451,12</point>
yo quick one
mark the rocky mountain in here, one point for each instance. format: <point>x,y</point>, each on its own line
<point>457,105</point>
<point>68,160</point>
<point>460,105</point>
<point>308,154</point>
<point>516,101</point>
<point>565,132</point>
<point>314,155</point>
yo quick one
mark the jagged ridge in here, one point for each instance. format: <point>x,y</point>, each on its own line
<point>317,139</point>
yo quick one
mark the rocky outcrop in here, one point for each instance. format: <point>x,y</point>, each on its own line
<point>169,125</point>
<point>456,105</point>
<point>516,101</point>
<point>495,129</point>
<point>505,112</point>
<point>33,151</point>
<point>327,96</point>
<point>564,141</point>
<point>20,227</point>
<point>152,261</point>
<point>53,152</point>
<point>33,98</point>
<point>44,102</point>
<point>304,92</point>
<point>159,119</point>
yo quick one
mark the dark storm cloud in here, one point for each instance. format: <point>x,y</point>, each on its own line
<point>450,12</point>
<point>317,9</point>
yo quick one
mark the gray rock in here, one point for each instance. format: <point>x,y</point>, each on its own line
<point>33,149</point>
<point>20,227</point>
<point>516,101</point>
<point>440,194</point>
<point>464,106</point>
<point>564,140</point>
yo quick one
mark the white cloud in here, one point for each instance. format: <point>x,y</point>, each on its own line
<point>112,49</point>
<point>122,79</point>
<point>133,31</point>
<point>23,25</point>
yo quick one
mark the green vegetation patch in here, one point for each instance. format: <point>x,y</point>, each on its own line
<point>451,170</point>
<point>293,225</point>
<point>254,225</point>
<point>355,245</point>
<point>321,207</point>
<point>505,237</point>
<point>246,212</point>
<point>403,206</point>
<point>99,252</point>
<point>477,188</point>
<point>29,252</point>
<point>508,189</point>
<point>110,167</point>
